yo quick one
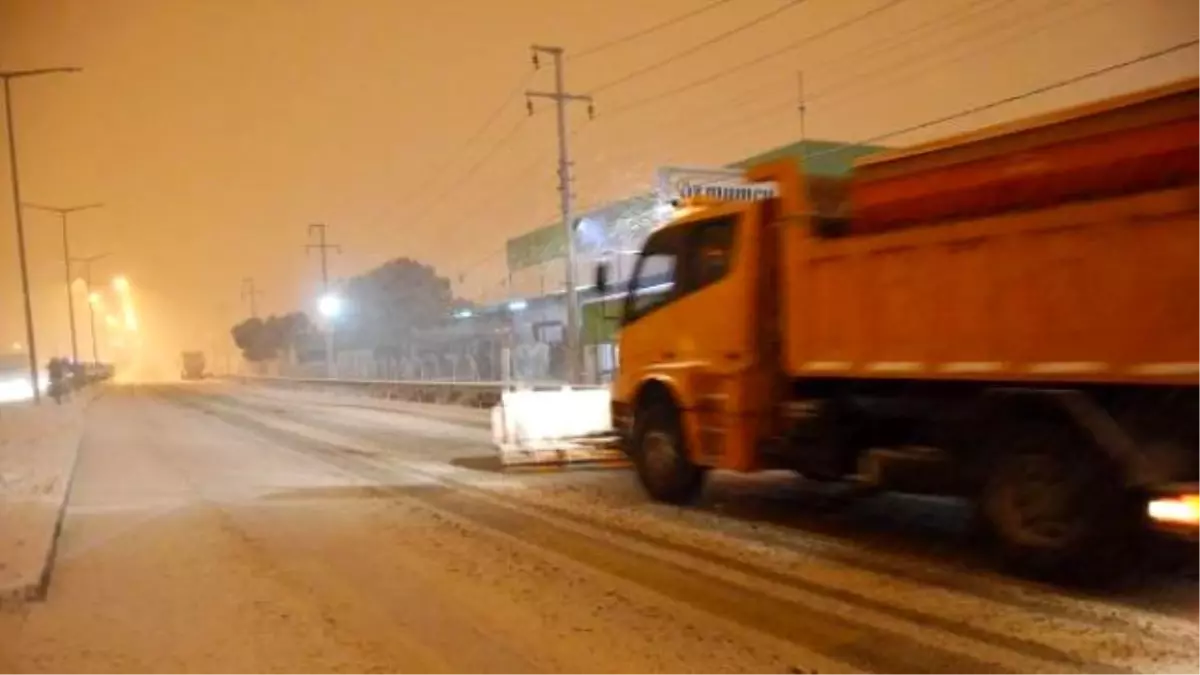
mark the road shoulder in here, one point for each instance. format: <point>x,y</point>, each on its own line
<point>39,448</point>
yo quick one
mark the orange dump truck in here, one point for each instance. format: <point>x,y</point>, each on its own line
<point>1009,315</point>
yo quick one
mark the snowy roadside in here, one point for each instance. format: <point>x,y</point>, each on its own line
<point>38,448</point>
<point>476,417</point>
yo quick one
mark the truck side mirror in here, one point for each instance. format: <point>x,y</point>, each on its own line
<point>602,278</point>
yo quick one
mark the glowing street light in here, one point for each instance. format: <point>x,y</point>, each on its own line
<point>120,284</point>
<point>330,306</point>
<point>95,300</point>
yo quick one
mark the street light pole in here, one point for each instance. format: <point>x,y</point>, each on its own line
<point>328,302</point>
<point>7,76</point>
<point>87,280</point>
<point>63,212</point>
<point>250,292</point>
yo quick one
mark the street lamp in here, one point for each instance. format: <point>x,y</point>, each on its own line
<point>94,299</point>
<point>62,215</point>
<point>330,307</point>
<point>8,76</point>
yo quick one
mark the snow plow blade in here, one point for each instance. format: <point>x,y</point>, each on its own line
<point>555,427</point>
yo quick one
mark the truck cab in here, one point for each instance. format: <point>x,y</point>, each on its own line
<point>690,332</point>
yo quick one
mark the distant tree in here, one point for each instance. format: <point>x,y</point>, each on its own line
<point>262,340</point>
<point>248,336</point>
<point>384,307</point>
<point>388,303</point>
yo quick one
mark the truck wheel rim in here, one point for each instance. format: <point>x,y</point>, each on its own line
<point>658,452</point>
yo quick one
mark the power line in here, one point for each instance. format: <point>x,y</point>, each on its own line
<point>971,38</point>
<point>502,141</point>
<point>488,203</point>
<point>514,95</point>
<point>651,67</point>
<point>1082,77</point>
<point>629,37</point>
<point>750,114</point>
<point>863,77</point>
<point>950,18</point>
<point>965,12</point>
<point>755,61</point>
<point>779,108</point>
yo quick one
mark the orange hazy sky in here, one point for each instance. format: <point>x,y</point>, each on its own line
<point>215,131</point>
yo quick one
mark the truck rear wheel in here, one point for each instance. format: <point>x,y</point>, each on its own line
<point>661,458</point>
<point>1057,510</point>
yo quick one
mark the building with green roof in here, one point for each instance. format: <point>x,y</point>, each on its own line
<point>625,222</point>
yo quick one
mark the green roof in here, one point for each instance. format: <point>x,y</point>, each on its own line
<point>820,158</point>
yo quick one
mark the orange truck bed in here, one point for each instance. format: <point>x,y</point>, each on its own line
<point>1063,248</point>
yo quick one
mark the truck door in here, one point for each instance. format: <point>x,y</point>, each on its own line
<point>647,338</point>
<point>722,265</point>
<point>691,316</point>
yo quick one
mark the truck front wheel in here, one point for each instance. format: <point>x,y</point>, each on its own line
<point>660,455</point>
<point>1057,510</point>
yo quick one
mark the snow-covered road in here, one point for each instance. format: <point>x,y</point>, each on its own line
<point>213,528</point>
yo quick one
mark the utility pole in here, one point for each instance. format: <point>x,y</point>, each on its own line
<point>8,76</point>
<point>250,292</point>
<point>87,280</point>
<point>324,247</point>
<point>561,98</point>
<point>63,212</point>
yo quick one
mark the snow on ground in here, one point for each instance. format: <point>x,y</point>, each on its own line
<point>346,399</point>
<point>840,576</point>
<point>38,447</point>
<point>218,528</point>
<point>193,546</point>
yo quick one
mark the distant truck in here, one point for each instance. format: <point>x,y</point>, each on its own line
<point>193,365</point>
<point>1009,316</point>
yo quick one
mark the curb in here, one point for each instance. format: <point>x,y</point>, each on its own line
<point>36,591</point>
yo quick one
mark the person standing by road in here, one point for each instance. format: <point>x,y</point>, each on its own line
<point>58,385</point>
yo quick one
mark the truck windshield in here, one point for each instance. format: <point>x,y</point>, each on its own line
<point>655,275</point>
<point>680,260</point>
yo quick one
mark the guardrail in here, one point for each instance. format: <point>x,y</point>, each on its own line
<point>470,394</point>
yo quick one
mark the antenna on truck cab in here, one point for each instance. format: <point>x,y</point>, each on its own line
<point>802,108</point>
